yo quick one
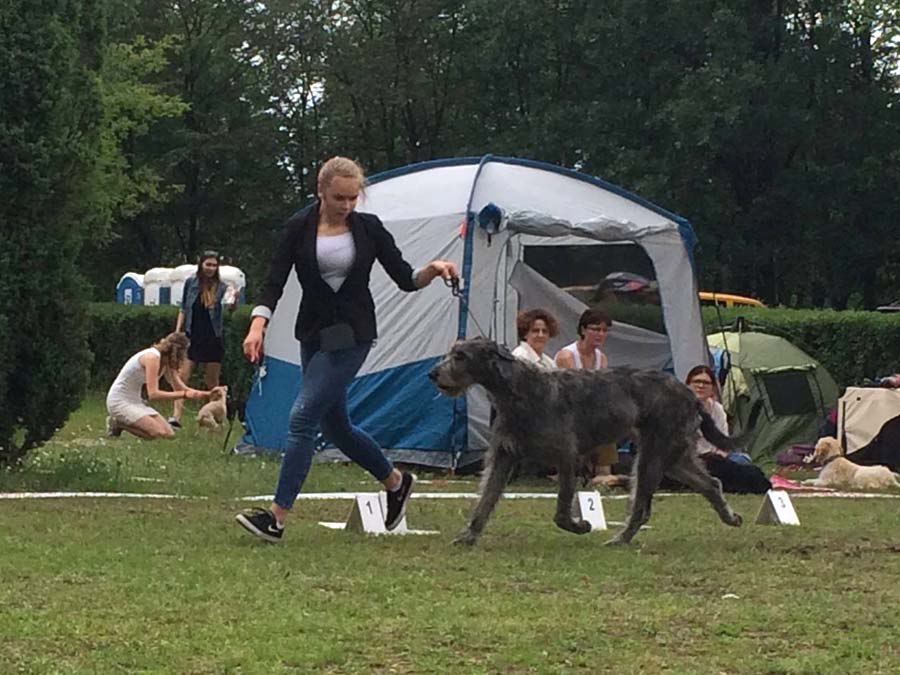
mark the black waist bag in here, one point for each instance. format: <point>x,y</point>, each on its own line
<point>336,337</point>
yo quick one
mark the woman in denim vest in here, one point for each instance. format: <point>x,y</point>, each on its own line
<point>200,317</point>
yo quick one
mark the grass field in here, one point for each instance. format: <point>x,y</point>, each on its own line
<point>114,585</point>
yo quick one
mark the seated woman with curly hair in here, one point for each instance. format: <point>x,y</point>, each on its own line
<point>535,328</point>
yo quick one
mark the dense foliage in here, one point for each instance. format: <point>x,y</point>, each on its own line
<point>118,331</point>
<point>852,345</point>
<point>50,128</point>
<point>772,127</point>
<point>136,133</point>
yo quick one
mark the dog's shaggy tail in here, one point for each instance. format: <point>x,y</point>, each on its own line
<point>712,433</point>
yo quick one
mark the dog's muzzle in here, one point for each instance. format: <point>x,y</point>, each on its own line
<point>447,389</point>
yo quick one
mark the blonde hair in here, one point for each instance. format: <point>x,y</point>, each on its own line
<point>339,166</point>
<point>172,351</point>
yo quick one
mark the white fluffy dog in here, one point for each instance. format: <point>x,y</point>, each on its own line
<point>212,415</point>
<point>838,471</point>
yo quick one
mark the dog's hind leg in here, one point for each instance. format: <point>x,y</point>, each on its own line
<point>689,471</point>
<point>563,518</point>
<point>646,477</point>
<point>495,478</point>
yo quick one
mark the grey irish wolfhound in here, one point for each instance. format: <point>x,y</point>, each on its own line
<point>560,417</point>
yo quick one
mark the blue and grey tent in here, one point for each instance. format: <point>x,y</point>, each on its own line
<point>483,213</point>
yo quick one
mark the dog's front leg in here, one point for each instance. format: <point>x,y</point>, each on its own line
<point>495,478</point>
<point>563,518</point>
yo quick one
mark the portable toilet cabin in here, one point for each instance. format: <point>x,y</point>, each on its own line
<point>156,286</point>
<point>130,289</point>
<point>177,277</point>
<point>235,278</point>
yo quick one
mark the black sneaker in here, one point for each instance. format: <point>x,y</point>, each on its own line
<point>396,501</point>
<point>260,522</point>
<point>175,424</point>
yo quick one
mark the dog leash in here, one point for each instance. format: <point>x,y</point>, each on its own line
<point>453,284</point>
<point>235,406</point>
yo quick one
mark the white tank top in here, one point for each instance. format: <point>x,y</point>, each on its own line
<point>335,256</point>
<point>573,349</point>
<point>131,378</point>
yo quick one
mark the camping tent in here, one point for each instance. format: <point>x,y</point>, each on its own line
<point>797,391</point>
<point>432,210</point>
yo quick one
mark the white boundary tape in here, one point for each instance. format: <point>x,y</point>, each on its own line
<point>63,495</point>
<point>321,496</point>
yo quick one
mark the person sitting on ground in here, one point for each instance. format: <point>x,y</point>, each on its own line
<point>702,382</point>
<point>535,328</point>
<point>735,470</point>
<point>585,353</point>
<point>127,410</point>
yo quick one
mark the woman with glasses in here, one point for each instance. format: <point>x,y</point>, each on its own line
<point>703,383</point>
<point>586,353</point>
<point>734,470</point>
<point>200,316</point>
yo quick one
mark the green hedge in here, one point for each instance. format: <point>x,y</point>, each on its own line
<point>118,331</point>
<point>851,345</point>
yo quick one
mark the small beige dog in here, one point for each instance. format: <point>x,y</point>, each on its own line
<point>838,471</point>
<point>212,415</point>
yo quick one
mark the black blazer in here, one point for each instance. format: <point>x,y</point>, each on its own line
<point>320,306</point>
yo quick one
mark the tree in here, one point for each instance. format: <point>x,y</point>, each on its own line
<point>221,160</point>
<point>50,124</point>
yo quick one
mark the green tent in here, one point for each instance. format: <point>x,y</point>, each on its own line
<point>796,390</point>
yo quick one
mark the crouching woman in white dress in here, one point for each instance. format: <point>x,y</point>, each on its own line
<point>124,404</point>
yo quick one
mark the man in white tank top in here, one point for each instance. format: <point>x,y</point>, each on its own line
<point>586,354</point>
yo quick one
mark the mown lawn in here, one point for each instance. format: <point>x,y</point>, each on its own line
<point>112,585</point>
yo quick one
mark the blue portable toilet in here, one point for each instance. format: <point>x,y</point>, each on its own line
<point>130,289</point>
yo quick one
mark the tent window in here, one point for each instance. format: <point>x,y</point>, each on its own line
<point>789,393</point>
<point>617,277</point>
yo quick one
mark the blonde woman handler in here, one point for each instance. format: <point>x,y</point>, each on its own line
<point>332,248</point>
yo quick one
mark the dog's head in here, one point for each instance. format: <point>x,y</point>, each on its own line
<point>469,362</point>
<point>827,448</point>
<point>218,393</point>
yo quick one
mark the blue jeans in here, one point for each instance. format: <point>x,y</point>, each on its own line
<point>322,402</point>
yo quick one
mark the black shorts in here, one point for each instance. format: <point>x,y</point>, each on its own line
<point>206,350</point>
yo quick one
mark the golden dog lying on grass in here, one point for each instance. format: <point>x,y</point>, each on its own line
<point>838,471</point>
<point>212,415</point>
